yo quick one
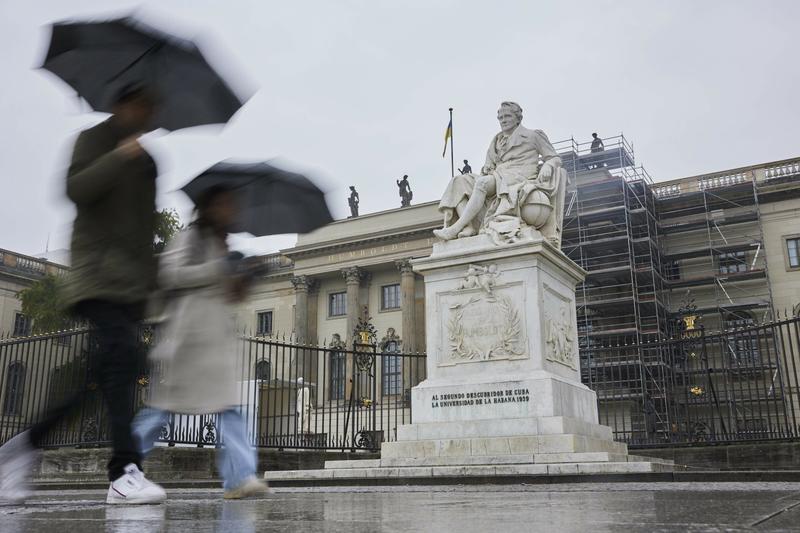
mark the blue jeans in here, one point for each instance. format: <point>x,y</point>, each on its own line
<point>237,460</point>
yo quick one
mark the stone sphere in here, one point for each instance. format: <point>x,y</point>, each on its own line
<point>536,209</point>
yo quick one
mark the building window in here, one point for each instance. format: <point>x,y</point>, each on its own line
<point>390,297</point>
<point>264,323</point>
<point>733,262</point>
<point>22,325</point>
<point>392,370</point>
<point>793,251</point>
<point>337,304</point>
<point>15,386</point>
<point>336,375</point>
<point>263,370</point>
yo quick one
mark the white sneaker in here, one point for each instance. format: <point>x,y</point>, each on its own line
<point>134,488</point>
<point>17,460</point>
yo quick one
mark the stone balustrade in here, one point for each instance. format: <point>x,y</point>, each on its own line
<point>30,265</point>
<point>784,170</point>
<point>724,180</point>
<point>759,173</point>
<point>667,191</point>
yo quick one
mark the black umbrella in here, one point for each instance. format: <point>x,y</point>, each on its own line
<point>99,59</point>
<point>271,200</point>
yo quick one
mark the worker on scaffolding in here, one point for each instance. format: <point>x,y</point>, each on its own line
<point>597,147</point>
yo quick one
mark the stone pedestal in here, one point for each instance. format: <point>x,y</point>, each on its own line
<point>503,367</point>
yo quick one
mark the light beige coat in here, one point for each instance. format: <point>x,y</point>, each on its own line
<point>196,348</point>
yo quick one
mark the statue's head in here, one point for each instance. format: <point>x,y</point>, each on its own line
<point>510,116</point>
<point>353,188</point>
<point>390,332</point>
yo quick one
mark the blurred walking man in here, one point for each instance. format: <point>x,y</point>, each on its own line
<point>111,181</point>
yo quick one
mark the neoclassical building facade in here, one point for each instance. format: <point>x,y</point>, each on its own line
<point>332,277</point>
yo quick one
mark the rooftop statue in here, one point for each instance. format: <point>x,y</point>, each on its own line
<point>406,194</point>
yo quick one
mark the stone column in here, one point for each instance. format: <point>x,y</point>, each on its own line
<point>315,356</point>
<point>313,311</point>
<point>299,365</point>
<point>301,307</point>
<point>352,277</point>
<point>411,367</point>
<point>407,304</point>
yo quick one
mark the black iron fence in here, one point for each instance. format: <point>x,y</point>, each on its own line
<point>698,388</point>
<point>292,396</point>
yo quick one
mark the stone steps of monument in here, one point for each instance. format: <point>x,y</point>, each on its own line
<point>511,445</point>
<point>466,471</point>
<point>545,458</point>
<point>552,425</point>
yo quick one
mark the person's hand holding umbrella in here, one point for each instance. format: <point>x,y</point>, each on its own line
<point>130,147</point>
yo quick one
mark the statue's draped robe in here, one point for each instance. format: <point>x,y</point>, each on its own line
<point>513,162</point>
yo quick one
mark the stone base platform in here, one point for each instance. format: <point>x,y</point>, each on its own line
<point>393,470</point>
<point>531,446</point>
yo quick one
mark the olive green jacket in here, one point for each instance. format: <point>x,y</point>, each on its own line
<point>112,255</point>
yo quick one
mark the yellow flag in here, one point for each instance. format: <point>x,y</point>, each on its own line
<point>447,134</point>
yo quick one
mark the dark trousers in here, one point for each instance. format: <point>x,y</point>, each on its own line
<point>114,363</point>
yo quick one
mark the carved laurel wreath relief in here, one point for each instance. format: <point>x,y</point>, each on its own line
<point>507,339</point>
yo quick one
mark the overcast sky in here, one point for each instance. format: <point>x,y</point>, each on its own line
<point>357,91</point>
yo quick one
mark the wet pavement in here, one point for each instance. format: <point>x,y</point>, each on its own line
<point>595,507</point>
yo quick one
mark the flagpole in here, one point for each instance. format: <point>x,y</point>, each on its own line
<point>452,157</point>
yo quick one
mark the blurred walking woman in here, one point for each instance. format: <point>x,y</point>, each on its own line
<point>196,353</point>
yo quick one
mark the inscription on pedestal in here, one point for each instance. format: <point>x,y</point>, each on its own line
<point>480,398</point>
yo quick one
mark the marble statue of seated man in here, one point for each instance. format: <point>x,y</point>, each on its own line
<point>522,168</point>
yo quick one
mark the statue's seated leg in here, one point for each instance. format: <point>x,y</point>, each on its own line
<point>484,186</point>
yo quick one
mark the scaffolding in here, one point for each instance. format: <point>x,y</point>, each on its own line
<point>644,246</point>
<point>611,229</point>
<point>714,246</point>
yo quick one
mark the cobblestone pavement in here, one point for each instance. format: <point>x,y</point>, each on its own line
<point>629,507</point>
